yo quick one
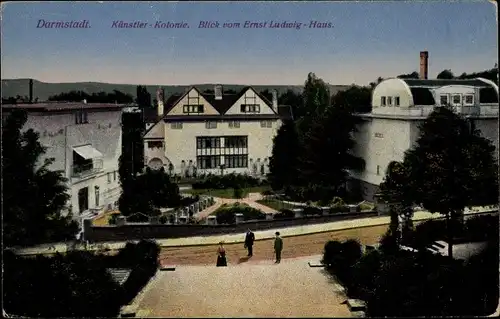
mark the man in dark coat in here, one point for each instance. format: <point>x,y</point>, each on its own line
<point>249,239</point>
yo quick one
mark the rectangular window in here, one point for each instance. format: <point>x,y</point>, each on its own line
<point>109,177</point>
<point>234,124</point>
<point>396,100</point>
<point>235,142</point>
<point>208,162</point>
<point>192,109</point>
<point>176,126</point>
<point>389,100</point>
<point>266,124</point>
<point>378,169</point>
<point>236,161</point>
<point>443,99</point>
<point>457,99</point>
<point>210,124</point>
<point>114,176</point>
<point>250,108</point>
<point>382,101</point>
<point>155,144</point>
<point>469,99</point>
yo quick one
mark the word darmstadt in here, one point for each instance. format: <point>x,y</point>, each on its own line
<point>82,24</point>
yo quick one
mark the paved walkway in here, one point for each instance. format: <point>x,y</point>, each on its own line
<point>239,238</point>
<point>261,289</point>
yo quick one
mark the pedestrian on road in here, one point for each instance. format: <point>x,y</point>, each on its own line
<point>278,247</point>
<point>221,255</point>
<point>249,239</point>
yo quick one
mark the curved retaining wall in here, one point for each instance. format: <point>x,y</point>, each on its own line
<point>144,231</point>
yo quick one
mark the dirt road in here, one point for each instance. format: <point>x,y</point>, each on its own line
<point>299,246</point>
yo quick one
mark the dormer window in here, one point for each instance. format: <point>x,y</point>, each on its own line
<point>469,99</point>
<point>443,99</point>
<point>383,101</point>
<point>189,109</point>
<point>457,99</point>
<point>250,108</point>
<point>396,101</point>
<point>389,100</point>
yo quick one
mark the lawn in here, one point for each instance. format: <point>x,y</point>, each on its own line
<point>226,193</point>
<point>276,204</point>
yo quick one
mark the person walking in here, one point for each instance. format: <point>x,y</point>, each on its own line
<point>249,239</point>
<point>278,247</point>
<point>221,255</point>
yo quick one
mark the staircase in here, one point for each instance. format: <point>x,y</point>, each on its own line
<point>439,248</point>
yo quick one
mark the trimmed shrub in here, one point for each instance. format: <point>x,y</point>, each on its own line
<point>226,214</point>
<point>311,210</point>
<point>284,214</point>
<point>163,219</point>
<point>336,209</point>
<point>238,192</point>
<point>137,218</point>
<point>112,219</point>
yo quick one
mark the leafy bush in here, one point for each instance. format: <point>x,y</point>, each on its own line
<point>163,219</point>
<point>389,243</point>
<point>311,210</point>
<point>226,214</point>
<point>73,285</point>
<point>238,192</point>
<point>138,218</point>
<point>268,193</point>
<point>284,213</point>
<point>339,258</point>
<point>339,209</point>
<point>112,219</point>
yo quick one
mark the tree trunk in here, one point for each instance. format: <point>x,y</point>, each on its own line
<point>450,235</point>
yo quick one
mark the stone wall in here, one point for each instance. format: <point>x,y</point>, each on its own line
<point>145,231</point>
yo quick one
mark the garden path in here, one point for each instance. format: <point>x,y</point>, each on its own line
<point>251,200</point>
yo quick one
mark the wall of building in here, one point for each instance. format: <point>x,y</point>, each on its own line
<point>393,88</point>
<point>192,98</point>
<point>59,133</point>
<point>248,98</point>
<point>380,141</point>
<point>180,144</point>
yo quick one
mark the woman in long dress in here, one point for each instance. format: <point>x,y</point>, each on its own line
<point>221,255</point>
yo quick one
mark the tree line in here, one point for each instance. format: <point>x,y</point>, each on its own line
<point>100,97</point>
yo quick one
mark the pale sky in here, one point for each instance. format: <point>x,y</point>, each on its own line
<point>368,40</point>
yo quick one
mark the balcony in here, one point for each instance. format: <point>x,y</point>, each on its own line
<point>86,170</point>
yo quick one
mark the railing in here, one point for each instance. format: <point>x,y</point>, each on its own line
<point>81,171</point>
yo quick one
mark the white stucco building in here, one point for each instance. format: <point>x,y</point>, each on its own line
<point>214,132</point>
<point>85,141</point>
<point>399,106</point>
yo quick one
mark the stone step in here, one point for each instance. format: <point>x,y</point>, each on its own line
<point>356,305</point>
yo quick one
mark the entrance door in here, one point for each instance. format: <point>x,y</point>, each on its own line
<point>83,199</point>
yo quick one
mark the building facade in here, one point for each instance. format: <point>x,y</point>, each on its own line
<point>399,106</point>
<point>214,133</point>
<point>85,142</point>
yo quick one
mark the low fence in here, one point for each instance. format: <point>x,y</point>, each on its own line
<point>146,230</point>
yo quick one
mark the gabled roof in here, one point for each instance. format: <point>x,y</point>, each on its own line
<point>442,82</point>
<point>222,106</point>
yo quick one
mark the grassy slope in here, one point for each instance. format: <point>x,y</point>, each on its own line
<point>42,90</point>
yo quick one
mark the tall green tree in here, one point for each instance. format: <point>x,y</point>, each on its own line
<point>355,98</point>
<point>446,74</point>
<point>413,75</point>
<point>131,161</point>
<point>450,166</point>
<point>295,101</point>
<point>283,165</point>
<point>327,158</point>
<point>34,197</point>
<point>316,96</point>
<point>143,98</point>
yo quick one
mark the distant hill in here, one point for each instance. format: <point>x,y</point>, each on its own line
<point>42,90</point>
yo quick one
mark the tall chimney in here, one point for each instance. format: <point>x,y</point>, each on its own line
<point>424,65</point>
<point>218,92</point>
<point>159,97</point>
<point>31,90</point>
<point>275,100</point>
